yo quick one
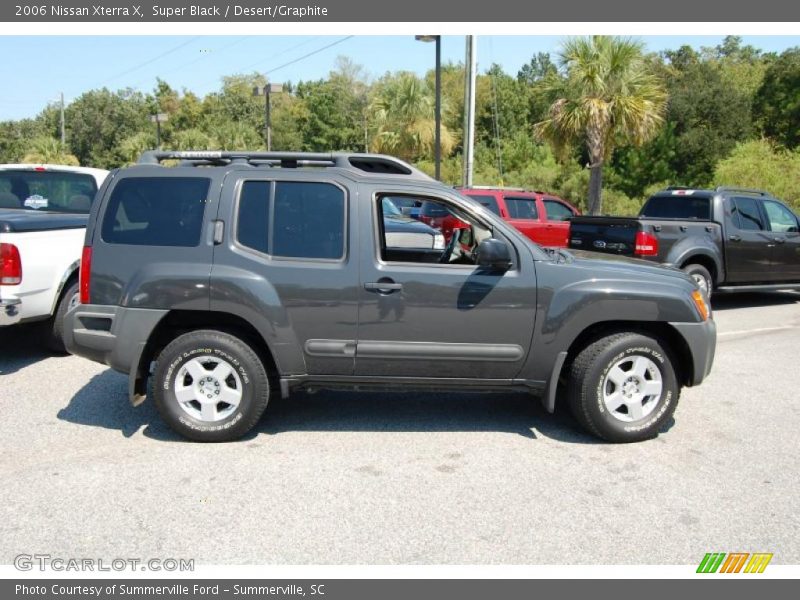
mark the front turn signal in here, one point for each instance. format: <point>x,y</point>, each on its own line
<point>701,304</point>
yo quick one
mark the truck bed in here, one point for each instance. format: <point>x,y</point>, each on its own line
<point>617,235</point>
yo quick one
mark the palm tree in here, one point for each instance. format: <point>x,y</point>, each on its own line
<point>48,150</point>
<point>402,112</point>
<point>608,96</point>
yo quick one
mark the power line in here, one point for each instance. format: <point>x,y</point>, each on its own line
<point>152,60</point>
<point>282,52</point>
<point>317,51</point>
<point>197,60</point>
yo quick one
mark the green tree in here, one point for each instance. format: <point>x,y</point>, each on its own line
<point>49,151</point>
<point>99,120</point>
<point>609,97</point>
<point>402,110</point>
<point>776,105</point>
<point>761,165</point>
<point>709,117</point>
<point>15,138</point>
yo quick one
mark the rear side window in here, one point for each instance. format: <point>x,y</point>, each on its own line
<point>486,200</point>
<point>521,208</point>
<point>677,207</point>
<point>557,211</point>
<point>746,215</point>
<point>47,191</point>
<point>156,211</point>
<point>292,219</point>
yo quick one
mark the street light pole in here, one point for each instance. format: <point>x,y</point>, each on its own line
<point>266,90</point>
<point>438,107</point>
<point>158,118</point>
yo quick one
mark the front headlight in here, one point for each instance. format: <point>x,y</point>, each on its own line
<point>438,242</point>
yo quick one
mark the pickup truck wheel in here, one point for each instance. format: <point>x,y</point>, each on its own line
<point>701,276</point>
<point>623,387</point>
<point>54,327</point>
<point>210,386</point>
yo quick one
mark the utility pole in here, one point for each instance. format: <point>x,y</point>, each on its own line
<point>63,131</point>
<point>469,109</point>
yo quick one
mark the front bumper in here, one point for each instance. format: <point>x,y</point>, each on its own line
<point>701,338</point>
<point>10,312</point>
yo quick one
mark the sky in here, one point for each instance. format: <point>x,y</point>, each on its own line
<point>50,65</point>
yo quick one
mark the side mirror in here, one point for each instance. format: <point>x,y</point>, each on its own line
<point>494,254</point>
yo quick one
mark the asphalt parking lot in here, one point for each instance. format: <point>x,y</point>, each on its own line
<point>337,478</point>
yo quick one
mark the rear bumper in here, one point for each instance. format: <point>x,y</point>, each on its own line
<point>701,338</point>
<point>112,335</point>
<point>10,313</point>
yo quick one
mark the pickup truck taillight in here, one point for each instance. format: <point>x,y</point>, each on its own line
<point>10,265</point>
<point>646,244</point>
<point>86,274</point>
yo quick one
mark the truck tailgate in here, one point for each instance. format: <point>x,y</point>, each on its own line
<point>613,235</point>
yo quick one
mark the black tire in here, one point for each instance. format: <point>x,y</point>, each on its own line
<point>588,382</point>
<point>699,271</point>
<point>54,328</point>
<point>210,347</point>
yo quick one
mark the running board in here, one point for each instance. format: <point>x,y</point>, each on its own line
<point>410,384</point>
<point>769,287</point>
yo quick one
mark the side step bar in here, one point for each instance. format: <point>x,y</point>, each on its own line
<point>771,287</point>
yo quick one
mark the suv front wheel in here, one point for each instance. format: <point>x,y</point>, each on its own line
<point>623,387</point>
<point>210,386</point>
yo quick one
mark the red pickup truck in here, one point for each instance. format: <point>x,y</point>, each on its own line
<point>544,218</point>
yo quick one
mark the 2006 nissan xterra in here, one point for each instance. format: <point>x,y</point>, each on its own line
<point>234,276</point>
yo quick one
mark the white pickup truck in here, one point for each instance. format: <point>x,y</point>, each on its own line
<point>43,214</point>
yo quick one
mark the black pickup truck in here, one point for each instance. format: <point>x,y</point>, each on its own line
<point>727,239</point>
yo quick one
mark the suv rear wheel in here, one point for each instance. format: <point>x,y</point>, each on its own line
<point>210,386</point>
<point>623,387</point>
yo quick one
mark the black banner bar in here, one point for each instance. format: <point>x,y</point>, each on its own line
<point>334,11</point>
<point>385,589</point>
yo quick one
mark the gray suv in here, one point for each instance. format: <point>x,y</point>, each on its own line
<point>232,277</point>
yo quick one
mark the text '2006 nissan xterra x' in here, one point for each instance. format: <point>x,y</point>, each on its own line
<point>235,276</point>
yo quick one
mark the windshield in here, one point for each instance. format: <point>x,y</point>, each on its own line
<point>47,191</point>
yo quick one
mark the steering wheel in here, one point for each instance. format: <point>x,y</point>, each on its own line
<point>449,248</point>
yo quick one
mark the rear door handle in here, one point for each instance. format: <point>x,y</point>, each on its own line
<point>779,240</point>
<point>383,287</point>
<point>735,238</point>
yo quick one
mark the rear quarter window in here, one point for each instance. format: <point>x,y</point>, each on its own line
<point>156,211</point>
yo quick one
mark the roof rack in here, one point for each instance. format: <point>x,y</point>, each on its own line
<point>377,164</point>
<point>491,187</point>
<point>724,188</point>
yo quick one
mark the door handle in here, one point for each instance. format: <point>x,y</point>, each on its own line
<point>779,240</point>
<point>735,238</point>
<point>383,287</point>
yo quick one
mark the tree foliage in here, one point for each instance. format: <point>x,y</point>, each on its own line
<point>609,97</point>
<point>777,101</point>
<point>731,113</point>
